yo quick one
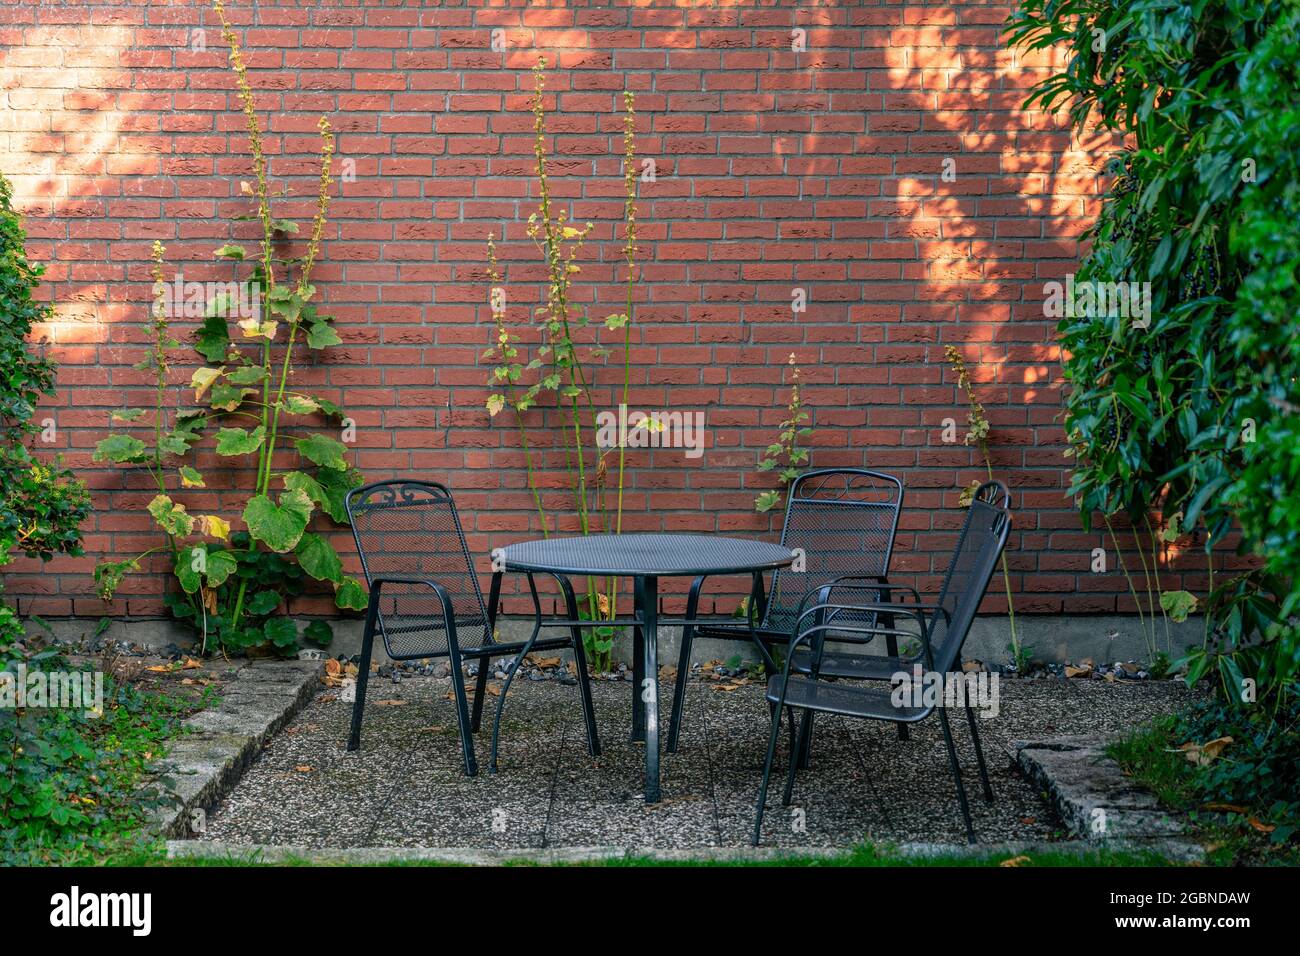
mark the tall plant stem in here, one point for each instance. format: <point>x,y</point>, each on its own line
<point>1119,559</point>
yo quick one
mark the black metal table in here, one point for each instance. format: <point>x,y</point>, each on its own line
<point>645,558</point>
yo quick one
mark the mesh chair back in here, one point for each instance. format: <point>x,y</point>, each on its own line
<point>983,536</point>
<point>844,520</point>
<point>410,529</point>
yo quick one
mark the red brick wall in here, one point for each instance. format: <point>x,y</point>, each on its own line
<point>776,170</point>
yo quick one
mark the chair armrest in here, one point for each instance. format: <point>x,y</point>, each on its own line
<point>870,632</point>
<point>444,597</point>
<point>879,585</point>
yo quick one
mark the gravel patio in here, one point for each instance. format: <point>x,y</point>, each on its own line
<point>405,788</point>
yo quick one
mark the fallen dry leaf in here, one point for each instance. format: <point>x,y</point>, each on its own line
<point>1029,821</point>
<point>303,768</point>
<point>1224,808</point>
<point>1202,754</point>
<point>1015,861</point>
<point>389,703</point>
<point>1261,826</point>
<point>543,662</point>
<point>1082,669</point>
<point>160,669</point>
<point>333,668</point>
<point>970,667</point>
<point>191,664</point>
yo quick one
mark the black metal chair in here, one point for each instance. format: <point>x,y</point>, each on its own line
<point>941,631</point>
<point>425,601</point>
<point>844,520</point>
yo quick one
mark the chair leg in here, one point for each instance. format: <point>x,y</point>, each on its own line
<point>363,676</point>
<point>480,685</point>
<point>956,774</point>
<point>580,665</point>
<point>891,648</point>
<point>767,773</point>
<point>494,597</point>
<point>462,716</point>
<point>805,741</point>
<point>505,689</point>
<point>979,754</point>
<point>679,690</point>
<point>796,750</point>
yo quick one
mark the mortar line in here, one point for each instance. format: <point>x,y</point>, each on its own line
<point>555,785</point>
<point>708,744</point>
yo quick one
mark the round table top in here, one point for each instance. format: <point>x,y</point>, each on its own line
<point>646,555</point>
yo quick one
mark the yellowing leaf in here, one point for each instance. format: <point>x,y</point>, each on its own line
<point>257,329</point>
<point>215,526</point>
<point>202,380</point>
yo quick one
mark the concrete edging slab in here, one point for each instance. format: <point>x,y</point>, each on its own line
<point>204,764</point>
<point>1096,801</point>
<point>181,850</point>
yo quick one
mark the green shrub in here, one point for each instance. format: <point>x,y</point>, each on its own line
<point>68,781</point>
<point>41,506</point>
<point>1198,414</point>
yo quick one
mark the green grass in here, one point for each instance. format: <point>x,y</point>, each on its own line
<point>1151,756</point>
<point>864,855</point>
<point>80,790</point>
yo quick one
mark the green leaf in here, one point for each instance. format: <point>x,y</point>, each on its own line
<point>329,408</point>
<point>109,574</point>
<point>230,252</point>
<point>247,375</point>
<point>1178,604</point>
<point>299,405</point>
<point>317,557</point>
<point>286,304</point>
<point>227,398</point>
<point>263,603</point>
<point>323,451</point>
<point>190,478</point>
<point>212,340</point>
<point>278,526</point>
<point>319,633</point>
<point>321,335</point>
<point>336,485</point>
<point>284,225</point>
<point>281,632</point>
<point>221,565</point>
<point>237,441</point>
<point>351,595</point>
<point>767,501</point>
<point>127,414</point>
<point>121,449</point>
<point>613,322</point>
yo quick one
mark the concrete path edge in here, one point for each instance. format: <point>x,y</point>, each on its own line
<point>220,742</point>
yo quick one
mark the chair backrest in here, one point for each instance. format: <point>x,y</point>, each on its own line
<point>983,536</point>
<point>844,520</point>
<point>411,529</point>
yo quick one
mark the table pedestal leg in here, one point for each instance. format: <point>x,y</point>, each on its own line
<point>638,661</point>
<point>645,701</point>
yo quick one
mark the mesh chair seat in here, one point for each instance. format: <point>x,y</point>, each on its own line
<point>871,701</point>
<point>850,666</point>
